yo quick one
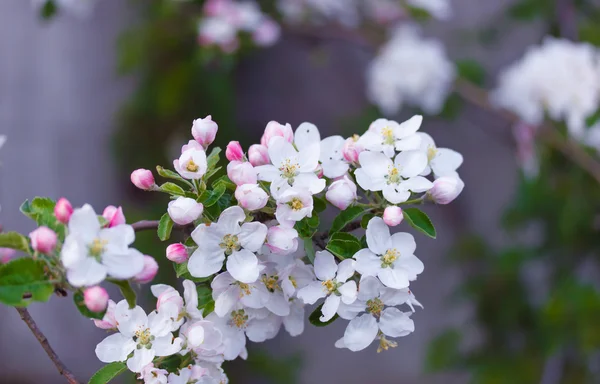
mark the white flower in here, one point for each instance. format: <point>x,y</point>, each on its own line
<point>560,78</point>
<point>442,161</point>
<point>192,162</point>
<point>341,193</point>
<point>388,136</point>
<point>202,337</point>
<point>218,31</point>
<point>145,336</point>
<point>294,204</point>
<point>332,283</point>
<point>251,197</point>
<point>228,293</point>
<point>295,276</point>
<point>191,374</point>
<point>184,210</point>
<point>396,179</point>
<point>381,319</point>
<point>391,258</point>
<point>274,129</point>
<point>152,375</point>
<point>170,302</point>
<point>290,167</point>
<point>90,252</point>
<point>226,238</point>
<point>282,239</point>
<point>431,73</point>
<point>294,322</point>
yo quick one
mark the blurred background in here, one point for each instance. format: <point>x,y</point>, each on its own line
<point>510,285</point>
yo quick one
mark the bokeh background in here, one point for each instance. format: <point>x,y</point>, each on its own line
<point>83,101</point>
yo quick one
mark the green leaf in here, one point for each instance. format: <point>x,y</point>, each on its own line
<point>172,363</point>
<point>14,240</point>
<point>343,245</point>
<point>209,308</point>
<point>204,295</point>
<point>419,220</point>
<point>225,181</point>
<point>365,220</point>
<point>452,107</point>
<point>309,248</point>
<point>165,226</point>
<point>181,270</point>
<point>443,352</point>
<point>319,205</point>
<point>306,227</point>
<point>471,70</point>
<point>41,210</point>
<point>210,198</point>
<point>213,159</point>
<point>126,290</point>
<point>48,10</point>
<point>212,172</point>
<point>316,314</point>
<point>168,174</point>
<point>24,276</point>
<point>418,14</point>
<point>346,217</point>
<point>172,188</point>
<point>108,372</point>
<point>79,303</point>
<point>527,10</point>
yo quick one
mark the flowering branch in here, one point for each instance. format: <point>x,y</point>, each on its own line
<point>41,338</point>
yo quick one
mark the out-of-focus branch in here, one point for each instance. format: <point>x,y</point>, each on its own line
<point>145,225</point>
<point>41,338</point>
<point>566,18</point>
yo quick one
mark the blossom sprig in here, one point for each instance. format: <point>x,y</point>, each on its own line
<point>248,249</point>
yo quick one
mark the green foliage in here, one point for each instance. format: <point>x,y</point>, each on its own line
<point>309,248</point>
<point>364,222</point>
<point>165,226</point>
<point>319,204</point>
<point>21,278</point>
<point>452,107</point>
<point>224,180</point>
<point>172,189</point>
<point>126,290</point>
<point>307,227</point>
<point>210,198</point>
<point>443,351</point>
<point>213,158</point>
<point>14,240</point>
<point>343,245</point>
<point>527,10</point>
<point>107,373</point>
<point>471,70</point>
<point>48,10</point>
<point>278,369</point>
<point>346,217</point>
<point>41,210</point>
<point>419,220</point>
<point>316,314</point>
<point>79,303</point>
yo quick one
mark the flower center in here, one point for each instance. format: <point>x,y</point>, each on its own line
<point>143,338</point>
<point>296,204</point>
<point>388,136</point>
<point>239,318</point>
<point>96,249</point>
<point>431,152</point>
<point>191,166</point>
<point>355,137</point>
<point>271,282</point>
<point>389,257</point>
<point>393,176</point>
<point>293,281</point>
<point>230,244</point>
<point>289,169</point>
<point>331,286</point>
<point>244,289</point>
<point>375,306</point>
<point>385,344</point>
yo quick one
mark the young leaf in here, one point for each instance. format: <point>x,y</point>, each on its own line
<point>78,299</point>
<point>14,240</point>
<point>172,188</point>
<point>213,159</point>
<point>41,210</point>
<point>305,227</point>
<point>319,204</point>
<point>365,220</point>
<point>165,226</point>
<point>126,290</point>
<point>310,250</point>
<point>24,276</point>
<point>168,174</point>
<point>316,314</point>
<point>209,308</point>
<point>419,220</point>
<point>343,245</point>
<point>225,181</point>
<point>204,296</point>
<point>471,70</point>
<point>108,372</point>
<point>210,198</point>
<point>346,217</point>
<point>48,9</point>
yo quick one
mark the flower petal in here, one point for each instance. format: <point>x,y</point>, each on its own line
<point>243,266</point>
<point>409,127</point>
<point>416,184</point>
<point>253,235</point>
<point>446,162</point>
<point>395,194</point>
<point>310,181</point>
<point>367,263</point>
<point>166,345</point>
<point>395,323</point>
<point>360,332</point>
<point>230,219</point>
<point>141,358</point>
<point>86,272</point>
<point>410,163</point>
<point>203,263</point>
<point>294,323</point>
<point>279,150</point>
<point>226,300</point>
<point>348,292</point>
<point>411,265</point>
<point>330,307</point>
<point>311,293</point>
<point>378,236</point>
<point>278,304</point>
<point>123,265</point>
<point>115,347</point>
<point>267,172</point>
<point>306,134</point>
<point>325,266</point>
<point>404,243</point>
<point>369,288</point>
<point>393,278</point>
<point>345,270</point>
<point>84,223</point>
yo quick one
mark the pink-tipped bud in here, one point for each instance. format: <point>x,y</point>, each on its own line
<point>113,215</point>
<point>341,193</point>
<point>143,179</point>
<point>204,131</point>
<point>445,189</point>
<point>108,321</point>
<point>184,210</point>
<point>282,240</point>
<point>95,298</point>
<point>234,151</point>
<point>6,255</point>
<point>352,149</point>
<point>43,240</point>
<point>392,215</point>
<point>258,155</point>
<point>251,197</point>
<point>63,210</point>
<point>274,129</point>
<point>149,272</point>
<point>177,253</point>
<point>241,173</point>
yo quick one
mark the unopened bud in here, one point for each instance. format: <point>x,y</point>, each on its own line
<point>184,210</point>
<point>393,216</point>
<point>113,215</point>
<point>204,131</point>
<point>258,155</point>
<point>445,189</point>
<point>177,253</point>
<point>95,298</point>
<point>43,240</point>
<point>142,178</point>
<point>234,151</point>
<point>149,272</point>
<point>341,193</point>
<point>63,210</point>
<point>241,173</point>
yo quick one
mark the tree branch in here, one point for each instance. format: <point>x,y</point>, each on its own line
<point>41,338</point>
<point>144,225</point>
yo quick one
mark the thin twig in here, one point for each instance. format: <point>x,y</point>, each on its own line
<point>41,338</point>
<point>145,225</point>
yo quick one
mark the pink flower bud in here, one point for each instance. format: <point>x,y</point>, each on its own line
<point>142,178</point>
<point>282,240</point>
<point>392,215</point>
<point>43,240</point>
<point>267,33</point>
<point>108,321</point>
<point>234,151</point>
<point>149,272</point>
<point>113,215</point>
<point>204,131</point>
<point>258,155</point>
<point>6,255</point>
<point>319,171</point>
<point>341,193</point>
<point>177,253</point>
<point>352,149</point>
<point>241,173</point>
<point>63,210</point>
<point>170,297</point>
<point>445,189</point>
<point>275,129</point>
<point>184,210</point>
<point>251,197</point>
<point>95,298</point>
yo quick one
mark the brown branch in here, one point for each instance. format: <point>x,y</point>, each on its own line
<point>145,225</point>
<point>41,338</point>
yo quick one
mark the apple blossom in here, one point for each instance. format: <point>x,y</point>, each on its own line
<point>143,179</point>
<point>184,210</point>
<point>149,271</point>
<point>204,131</point>
<point>294,204</point>
<point>388,136</point>
<point>191,164</point>
<point>445,189</point>
<point>251,197</point>
<point>442,161</point>
<point>228,292</point>
<point>114,215</point>
<point>63,210</point>
<point>241,173</point>
<point>351,149</point>
<point>177,253</point>
<point>258,155</point>
<point>341,193</point>
<point>43,240</point>
<point>282,239</point>
<point>189,374</point>
<point>234,151</point>
<point>392,215</point>
<point>153,375</point>
<point>108,321</point>
<point>274,129</point>
<point>95,298</point>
